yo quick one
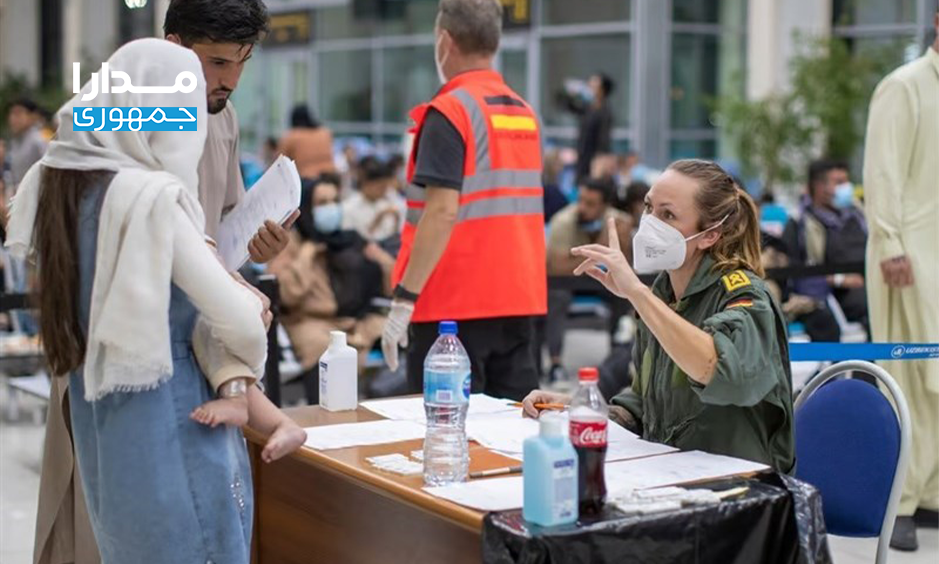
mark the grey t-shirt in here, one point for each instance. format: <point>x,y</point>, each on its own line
<point>221,186</point>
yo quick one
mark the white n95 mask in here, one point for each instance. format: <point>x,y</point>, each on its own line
<point>659,246</point>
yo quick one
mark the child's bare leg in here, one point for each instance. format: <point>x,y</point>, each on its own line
<point>284,436</point>
<point>222,411</point>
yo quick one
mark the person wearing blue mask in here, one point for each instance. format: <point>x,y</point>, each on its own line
<point>580,223</point>
<point>328,278</point>
<point>830,230</point>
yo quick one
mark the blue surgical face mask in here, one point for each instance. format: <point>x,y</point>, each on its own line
<point>591,227</point>
<point>844,196</point>
<point>587,94</point>
<point>327,218</point>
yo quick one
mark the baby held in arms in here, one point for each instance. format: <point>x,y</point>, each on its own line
<point>240,402</point>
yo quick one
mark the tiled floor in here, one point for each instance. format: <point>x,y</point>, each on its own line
<point>21,450</point>
<point>20,455</point>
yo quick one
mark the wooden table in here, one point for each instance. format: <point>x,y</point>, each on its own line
<point>333,507</point>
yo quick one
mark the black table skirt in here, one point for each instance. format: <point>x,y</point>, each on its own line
<point>779,520</point>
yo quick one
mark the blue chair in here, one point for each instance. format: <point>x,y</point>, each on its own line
<point>853,447</point>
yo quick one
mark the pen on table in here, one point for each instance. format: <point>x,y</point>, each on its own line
<point>544,406</point>
<point>496,472</point>
<point>734,492</point>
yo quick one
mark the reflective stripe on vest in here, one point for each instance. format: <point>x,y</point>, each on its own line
<point>494,265</point>
<point>487,193</point>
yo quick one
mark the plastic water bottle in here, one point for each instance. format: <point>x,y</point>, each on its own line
<point>446,400</point>
<point>549,474</point>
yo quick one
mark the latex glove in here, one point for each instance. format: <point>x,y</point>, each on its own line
<point>395,333</point>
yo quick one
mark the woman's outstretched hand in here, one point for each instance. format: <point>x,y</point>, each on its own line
<point>607,264</point>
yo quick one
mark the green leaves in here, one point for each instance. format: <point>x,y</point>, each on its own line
<point>823,113</point>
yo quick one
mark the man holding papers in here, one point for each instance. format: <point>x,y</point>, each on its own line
<point>223,51</point>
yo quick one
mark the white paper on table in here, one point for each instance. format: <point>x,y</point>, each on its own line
<point>495,494</point>
<point>616,433</point>
<point>635,448</point>
<point>273,197</point>
<point>346,435</point>
<point>506,432</point>
<point>674,469</point>
<point>412,409</point>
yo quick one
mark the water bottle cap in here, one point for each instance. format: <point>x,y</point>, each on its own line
<point>448,328</point>
<point>588,375</point>
<point>552,425</point>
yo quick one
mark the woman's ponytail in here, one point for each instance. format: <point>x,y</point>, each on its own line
<point>719,196</point>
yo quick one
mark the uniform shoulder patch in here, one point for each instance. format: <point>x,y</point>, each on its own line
<point>736,280</point>
<point>742,302</point>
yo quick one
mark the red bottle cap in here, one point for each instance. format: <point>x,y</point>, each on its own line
<point>588,375</point>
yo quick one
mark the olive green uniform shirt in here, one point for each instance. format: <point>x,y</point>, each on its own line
<point>746,409</point>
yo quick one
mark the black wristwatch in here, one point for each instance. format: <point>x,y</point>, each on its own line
<point>402,294</point>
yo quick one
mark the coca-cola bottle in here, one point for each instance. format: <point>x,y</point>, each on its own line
<point>589,415</point>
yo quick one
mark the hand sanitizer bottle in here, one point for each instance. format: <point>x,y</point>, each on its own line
<point>339,379</point>
<point>549,472</point>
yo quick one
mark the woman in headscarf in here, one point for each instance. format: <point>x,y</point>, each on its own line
<point>328,278</point>
<point>126,281</point>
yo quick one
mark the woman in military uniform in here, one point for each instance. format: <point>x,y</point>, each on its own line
<point>711,350</point>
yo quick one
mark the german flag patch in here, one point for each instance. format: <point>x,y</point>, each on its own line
<point>513,123</point>
<point>736,280</point>
<point>742,302</point>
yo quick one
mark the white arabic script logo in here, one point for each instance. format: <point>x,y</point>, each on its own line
<point>185,83</point>
<point>115,118</point>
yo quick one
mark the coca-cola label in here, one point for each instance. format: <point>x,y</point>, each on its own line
<point>588,434</point>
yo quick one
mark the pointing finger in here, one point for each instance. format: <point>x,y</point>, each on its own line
<point>614,234</point>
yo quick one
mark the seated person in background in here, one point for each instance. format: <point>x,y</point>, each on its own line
<point>580,223</point>
<point>398,169</point>
<point>309,143</point>
<point>376,211</point>
<point>831,230</point>
<point>328,278</point>
<point>634,200</point>
<point>554,198</point>
<point>819,322</point>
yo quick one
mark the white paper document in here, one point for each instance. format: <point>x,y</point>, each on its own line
<point>502,432</point>
<point>412,409</point>
<point>273,197</point>
<point>495,494</point>
<point>506,432</point>
<point>629,449</point>
<point>501,494</point>
<point>674,469</point>
<point>347,435</point>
